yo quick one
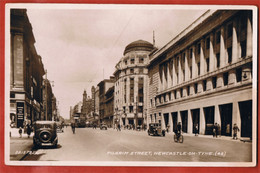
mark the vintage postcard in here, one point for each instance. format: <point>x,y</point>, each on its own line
<point>130,85</point>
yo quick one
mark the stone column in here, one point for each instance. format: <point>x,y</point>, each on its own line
<point>186,65</point>
<point>249,38</point>
<point>222,48</point>
<point>179,71</point>
<point>189,122</point>
<point>171,123</point>
<point>212,62</point>
<point>236,118</point>
<point>217,116</point>
<point>234,42</point>
<point>193,64</point>
<point>202,121</point>
<point>179,117</point>
<point>174,81</point>
<point>202,58</point>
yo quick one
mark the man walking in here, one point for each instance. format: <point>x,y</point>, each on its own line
<point>235,130</point>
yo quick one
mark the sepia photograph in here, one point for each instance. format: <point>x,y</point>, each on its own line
<point>130,85</point>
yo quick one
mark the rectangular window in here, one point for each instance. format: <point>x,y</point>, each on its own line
<point>132,90</point>
<point>190,72</point>
<point>218,35</point>
<point>131,109</point>
<point>140,109</point>
<point>239,74</point>
<point>207,43</point>
<point>207,61</point>
<point>196,88</point>
<point>125,62</point>
<point>183,72</point>
<point>225,78</point>
<point>230,30</point>
<point>181,92</point>
<point>131,71</point>
<point>218,60</point>
<point>198,48</point>
<point>243,49</point>
<point>229,50</point>
<point>175,94</point>
<point>204,85</point>
<point>170,96</point>
<point>188,90</point>
<point>198,64</point>
<point>132,61</point>
<point>214,82</point>
<point>141,60</point>
<point>177,75</point>
<point>151,102</point>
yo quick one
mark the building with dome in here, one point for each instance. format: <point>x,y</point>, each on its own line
<point>131,83</point>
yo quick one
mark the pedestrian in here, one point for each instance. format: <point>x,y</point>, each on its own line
<point>179,129</point>
<point>219,130</point>
<point>28,130</point>
<point>227,129</point>
<point>215,128</point>
<point>168,127</point>
<point>196,130</point>
<point>235,130</point>
<point>73,127</point>
<point>20,131</point>
<point>119,128</point>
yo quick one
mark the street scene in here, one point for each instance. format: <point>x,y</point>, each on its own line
<point>88,144</point>
<point>98,83</point>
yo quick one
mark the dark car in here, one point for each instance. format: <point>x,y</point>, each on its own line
<point>156,129</point>
<point>103,126</point>
<point>45,133</point>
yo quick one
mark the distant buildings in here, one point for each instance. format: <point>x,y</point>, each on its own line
<point>27,86</point>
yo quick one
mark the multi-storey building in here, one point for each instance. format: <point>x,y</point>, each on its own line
<point>131,83</point>
<point>104,85</point>
<point>204,75</point>
<point>96,106</point>
<point>109,107</point>
<point>26,72</point>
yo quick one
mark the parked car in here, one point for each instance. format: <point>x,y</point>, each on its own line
<point>156,129</point>
<point>103,126</point>
<point>45,133</point>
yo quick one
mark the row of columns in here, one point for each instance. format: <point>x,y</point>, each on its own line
<point>178,67</point>
<point>202,121</point>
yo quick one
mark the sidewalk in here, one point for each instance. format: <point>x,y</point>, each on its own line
<point>19,147</point>
<point>229,138</point>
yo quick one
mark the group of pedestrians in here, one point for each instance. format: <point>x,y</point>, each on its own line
<point>217,130</point>
<point>28,128</point>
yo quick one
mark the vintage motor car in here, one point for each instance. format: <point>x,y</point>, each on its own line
<point>103,126</point>
<point>156,129</point>
<point>45,133</point>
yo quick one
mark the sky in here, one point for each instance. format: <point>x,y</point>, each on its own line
<point>81,46</point>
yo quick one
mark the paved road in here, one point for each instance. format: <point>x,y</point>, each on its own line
<point>127,145</point>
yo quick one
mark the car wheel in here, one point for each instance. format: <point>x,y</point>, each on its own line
<point>45,136</point>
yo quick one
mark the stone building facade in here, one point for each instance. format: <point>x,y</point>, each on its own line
<point>26,72</point>
<point>131,83</point>
<point>204,75</point>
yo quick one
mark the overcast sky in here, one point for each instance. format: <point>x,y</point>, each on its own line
<point>76,45</point>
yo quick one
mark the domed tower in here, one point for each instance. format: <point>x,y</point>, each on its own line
<point>131,83</point>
